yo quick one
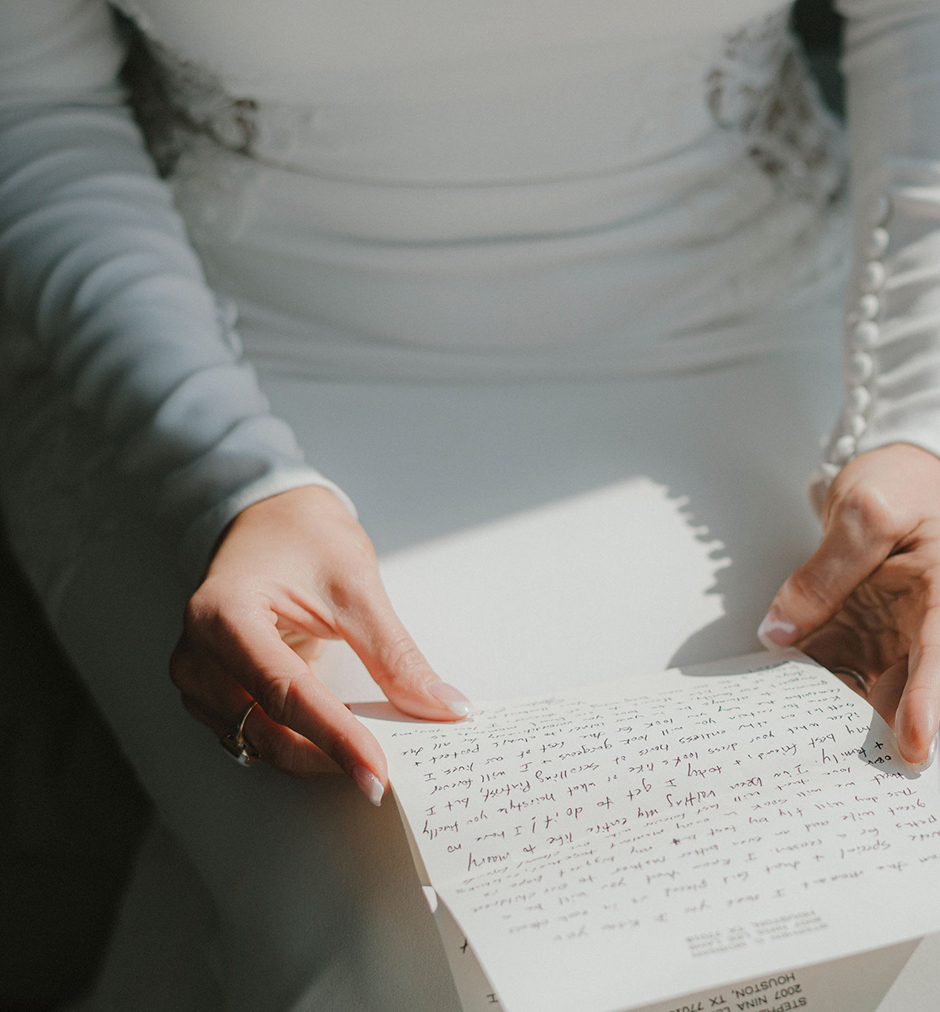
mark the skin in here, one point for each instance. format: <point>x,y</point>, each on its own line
<point>869,597</point>
<point>292,572</point>
<point>296,569</point>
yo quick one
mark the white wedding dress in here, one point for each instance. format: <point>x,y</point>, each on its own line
<point>483,257</point>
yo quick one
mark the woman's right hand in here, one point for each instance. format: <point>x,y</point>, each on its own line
<point>291,572</point>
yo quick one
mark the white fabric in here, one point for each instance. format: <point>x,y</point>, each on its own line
<point>95,266</point>
<point>637,199</point>
<point>473,192</point>
<point>891,325</point>
<point>486,191</point>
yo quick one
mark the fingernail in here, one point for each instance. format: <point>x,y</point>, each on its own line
<point>931,755</point>
<point>776,630</point>
<point>452,698</point>
<point>369,784</point>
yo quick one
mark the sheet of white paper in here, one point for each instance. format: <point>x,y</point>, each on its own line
<point>656,836</point>
<point>850,984</point>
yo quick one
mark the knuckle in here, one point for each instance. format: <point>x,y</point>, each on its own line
<point>866,509</point>
<point>362,550</point>
<point>351,569</point>
<point>811,586</point>
<point>353,590</point>
<point>184,666</point>
<point>180,668</point>
<point>402,656</point>
<point>277,698</point>
<point>356,543</point>
<point>212,612</point>
<point>204,603</point>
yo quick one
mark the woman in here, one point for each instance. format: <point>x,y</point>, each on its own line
<point>417,214</point>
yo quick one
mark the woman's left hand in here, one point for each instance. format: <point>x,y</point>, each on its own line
<point>869,598</point>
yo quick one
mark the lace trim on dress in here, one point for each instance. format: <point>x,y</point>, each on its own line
<point>174,99</point>
<point>761,88</point>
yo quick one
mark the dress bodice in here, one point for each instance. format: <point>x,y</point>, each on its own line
<point>524,180</point>
<point>375,50</point>
<point>450,191</point>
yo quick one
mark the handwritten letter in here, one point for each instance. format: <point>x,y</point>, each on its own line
<point>665,834</point>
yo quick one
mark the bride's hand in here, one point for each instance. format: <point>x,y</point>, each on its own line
<point>291,572</point>
<point>868,600</point>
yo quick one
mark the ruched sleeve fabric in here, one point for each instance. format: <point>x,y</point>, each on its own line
<point>892,321</point>
<point>95,265</point>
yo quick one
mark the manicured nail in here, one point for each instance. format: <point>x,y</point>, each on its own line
<point>369,784</point>
<point>776,630</point>
<point>452,698</point>
<point>931,755</point>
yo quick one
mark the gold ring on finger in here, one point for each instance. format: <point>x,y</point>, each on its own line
<point>235,744</point>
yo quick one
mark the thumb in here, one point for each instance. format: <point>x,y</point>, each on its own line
<point>847,555</point>
<point>370,626</point>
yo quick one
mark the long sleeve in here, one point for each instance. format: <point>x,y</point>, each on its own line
<point>892,321</point>
<point>95,265</point>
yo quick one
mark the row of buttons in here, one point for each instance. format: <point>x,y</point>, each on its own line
<point>863,333</point>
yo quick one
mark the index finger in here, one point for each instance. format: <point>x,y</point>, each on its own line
<point>369,624</point>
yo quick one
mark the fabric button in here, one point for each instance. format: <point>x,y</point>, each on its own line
<point>865,334</point>
<point>861,367</point>
<point>226,315</point>
<point>877,244</point>
<point>858,425</point>
<point>226,311</point>
<point>859,399</point>
<point>873,276</point>
<point>880,209</point>
<point>844,448</point>
<point>868,306</point>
